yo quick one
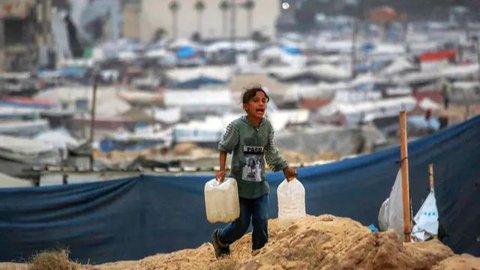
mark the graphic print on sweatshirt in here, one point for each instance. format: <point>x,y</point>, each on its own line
<point>252,171</point>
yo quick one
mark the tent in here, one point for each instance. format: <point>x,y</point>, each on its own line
<point>198,82</point>
<point>6,181</point>
<point>186,52</point>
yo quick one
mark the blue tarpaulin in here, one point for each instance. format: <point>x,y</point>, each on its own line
<point>186,52</point>
<point>133,218</point>
<point>291,49</point>
<point>367,47</point>
<point>198,82</point>
<point>73,72</point>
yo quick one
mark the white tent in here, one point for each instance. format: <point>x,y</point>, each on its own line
<point>331,72</point>
<point>385,48</point>
<point>183,74</point>
<point>460,71</point>
<point>28,151</point>
<point>6,181</point>
<point>185,98</point>
<point>355,113</point>
<point>323,71</point>
<point>108,102</point>
<point>429,104</point>
<point>247,45</point>
<point>281,118</point>
<point>344,46</point>
<point>182,43</point>
<point>399,65</point>
<point>168,115</point>
<point>200,102</point>
<point>60,139</point>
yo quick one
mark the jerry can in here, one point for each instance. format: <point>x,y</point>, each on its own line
<point>221,200</point>
<point>291,200</point>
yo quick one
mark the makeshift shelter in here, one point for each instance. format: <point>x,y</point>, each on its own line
<point>199,101</point>
<point>7,181</point>
<point>199,82</point>
<point>384,14</point>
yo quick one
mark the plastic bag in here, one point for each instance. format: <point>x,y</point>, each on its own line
<point>426,219</point>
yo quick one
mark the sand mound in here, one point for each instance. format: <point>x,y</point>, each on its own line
<point>324,242</point>
<point>464,261</point>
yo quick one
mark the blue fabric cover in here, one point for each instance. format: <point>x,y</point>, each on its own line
<point>186,52</point>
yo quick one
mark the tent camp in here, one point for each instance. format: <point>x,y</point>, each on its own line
<point>6,181</point>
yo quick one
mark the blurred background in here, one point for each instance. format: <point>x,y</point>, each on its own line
<point>101,89</point>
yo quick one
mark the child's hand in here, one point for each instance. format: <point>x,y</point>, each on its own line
<point>221,175</point>
<point>290,173</point>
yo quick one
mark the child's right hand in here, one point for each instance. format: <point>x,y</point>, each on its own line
<point>220,176</point>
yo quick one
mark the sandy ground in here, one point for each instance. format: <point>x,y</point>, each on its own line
<point>323,242</point>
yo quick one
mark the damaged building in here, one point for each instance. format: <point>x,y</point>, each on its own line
<point>25,35</point>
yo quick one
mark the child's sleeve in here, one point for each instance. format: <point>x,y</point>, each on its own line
<point>272,156</point>
<point>230,139</point>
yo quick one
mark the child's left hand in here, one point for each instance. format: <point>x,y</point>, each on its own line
<point>290,173</point>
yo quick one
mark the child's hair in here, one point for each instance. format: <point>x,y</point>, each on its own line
<point>250,92</point>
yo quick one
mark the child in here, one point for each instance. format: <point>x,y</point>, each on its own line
<point>250,138</point>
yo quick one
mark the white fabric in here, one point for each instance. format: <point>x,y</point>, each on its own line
<point>426,219</point>
<point>391,211</point>
<point>428,103</point>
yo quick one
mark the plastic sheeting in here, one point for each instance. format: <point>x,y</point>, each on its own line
<point>391,211</point>
<point>196,83</point>
<point>137,217</point>
<point>426,219</point>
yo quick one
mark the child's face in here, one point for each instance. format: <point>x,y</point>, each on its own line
<point>257,105</point>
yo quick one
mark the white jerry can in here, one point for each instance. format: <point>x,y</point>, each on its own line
<point>291,200</point>
<point>221,200</point>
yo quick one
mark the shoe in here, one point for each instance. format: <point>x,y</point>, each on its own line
<point>220,249</point>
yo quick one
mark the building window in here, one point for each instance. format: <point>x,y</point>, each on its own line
<point>14,31</point>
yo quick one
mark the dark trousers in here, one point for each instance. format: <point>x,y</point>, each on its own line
<point>255,210</point>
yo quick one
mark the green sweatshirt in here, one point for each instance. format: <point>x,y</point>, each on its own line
<point>251,147</point>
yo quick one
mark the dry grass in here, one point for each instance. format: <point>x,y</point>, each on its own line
<point>53,260</point>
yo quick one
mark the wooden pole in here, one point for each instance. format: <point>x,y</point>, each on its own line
<point>430,176</point>
<point>405,181</point>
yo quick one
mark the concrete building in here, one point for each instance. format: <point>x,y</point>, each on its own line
<point>183,18</point>
<point>131,13</point>
<point>25,35</point>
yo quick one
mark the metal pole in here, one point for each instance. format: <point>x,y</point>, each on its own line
<point>354,48</point>
<point>405,180</point>
<point>175,25</point>
<point>233,25</point>
<point>92,116</point>
<point>358,20</point>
